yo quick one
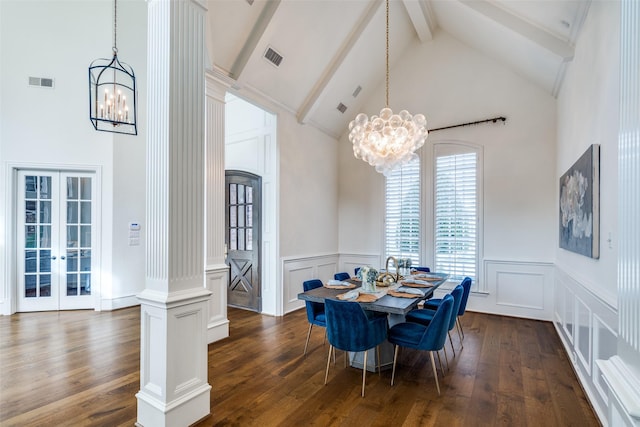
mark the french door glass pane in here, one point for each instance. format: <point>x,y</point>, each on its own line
<point>30,261</point>
<point>45,260</point>
<point>85,284</point>
<point>72,236</point>
<point>72,261</point>
<point>45,212</point>
<point>72,212</point>
<point>85,260</point>
<point>30,236</point>
<point>45,187</point>
<point>85,188</point>
<point>72,284</point>
<point>45,285</point>
<point>31,187</point>
<point>72,188</point>
<point>85,236</point>
<point>85,212</point>
<point>30,211</point>
<point>30,283</point>
<point>45,236</point>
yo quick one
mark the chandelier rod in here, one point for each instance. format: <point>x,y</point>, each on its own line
<point>115,26</point>
<point>387,57</point>
<point>494,120</point>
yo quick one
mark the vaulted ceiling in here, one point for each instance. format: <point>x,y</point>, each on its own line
<point>332,51</point>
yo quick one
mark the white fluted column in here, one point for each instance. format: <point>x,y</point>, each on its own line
<point>216,270</point>
<point>622,372</point>
<point>174,389</point>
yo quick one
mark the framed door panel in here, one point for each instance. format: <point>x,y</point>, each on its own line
<point>55,229</point>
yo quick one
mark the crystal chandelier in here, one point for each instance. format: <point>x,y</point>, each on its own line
<point>112,91</point>
<point>387,140</point>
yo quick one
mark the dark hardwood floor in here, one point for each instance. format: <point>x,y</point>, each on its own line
<point>81,368</point>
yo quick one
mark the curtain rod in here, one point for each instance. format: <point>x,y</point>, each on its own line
<point>494,120</point>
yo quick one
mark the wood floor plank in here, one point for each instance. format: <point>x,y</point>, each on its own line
<point>81,368</point>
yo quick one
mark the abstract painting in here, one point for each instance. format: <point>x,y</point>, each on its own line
<point>580,205</point>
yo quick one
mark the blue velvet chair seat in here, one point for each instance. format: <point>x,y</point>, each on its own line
<point>315,310</point>
<point>434,303</point>
<point>350,328</point>
<point>429,337</point>
<point>407,334</point>
<point>423,316</point>
<point>341,276</point>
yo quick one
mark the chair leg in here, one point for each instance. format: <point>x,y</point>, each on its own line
<point>459,334</point>
<point>435,372</point>
<point>451,342</point>
<point>459,323</point>
<point>395,357</point>
<point>307,343</point>
<point>326,374</point>
<point>440,363</point>
<point>378,352</point>
<point>446,359</point>
<point>364,371</point>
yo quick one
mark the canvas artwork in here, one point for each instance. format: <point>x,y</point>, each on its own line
<point>580,205</point>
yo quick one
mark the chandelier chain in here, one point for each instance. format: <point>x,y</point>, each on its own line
<point>115,26</point>
<point>387,56</point>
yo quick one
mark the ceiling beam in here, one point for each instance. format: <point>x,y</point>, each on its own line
<point>422,18</point>
<point>312,98</point>
<point>254,38</point>
<point>527,30</point>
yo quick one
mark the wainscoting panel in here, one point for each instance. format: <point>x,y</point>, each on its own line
<point>588,328</point>
<point>297,270</point>
<point>349,262</point>
<point>515,288</point>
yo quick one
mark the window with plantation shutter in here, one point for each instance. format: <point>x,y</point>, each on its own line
<point>402,215</point>
<point>456,212</point>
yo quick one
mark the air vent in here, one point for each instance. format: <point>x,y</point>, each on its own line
<point>272,56</point>
<point>342,108</point>
<point>41,82</point>
<point>357,91</point>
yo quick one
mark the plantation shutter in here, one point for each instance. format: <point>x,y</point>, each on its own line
<point>456,213</point>
<point>402,214</point>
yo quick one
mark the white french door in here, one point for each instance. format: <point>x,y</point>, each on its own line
<point>55,219</point>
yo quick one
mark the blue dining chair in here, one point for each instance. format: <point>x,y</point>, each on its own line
<point>420,337</point>
<point>350,329</point>
<point>435,302</point>
<point>355,271</point>
<point>341,276</point>
<point>315,310</point>
<point>425,315</point>
<point>423,269</point>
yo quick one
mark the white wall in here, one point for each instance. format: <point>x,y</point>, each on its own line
<point>51,127</point>
<point>307,219</point>
<point>588,113</point>
<point>451,83</point>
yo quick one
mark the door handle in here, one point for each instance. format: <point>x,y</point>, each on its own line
<point>63,257</point>
<point>53,257</point>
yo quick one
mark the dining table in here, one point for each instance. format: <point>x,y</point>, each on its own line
<point>395,307</point>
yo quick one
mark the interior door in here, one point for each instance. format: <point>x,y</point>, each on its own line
<point>243,239</point>
<point>55,219</point>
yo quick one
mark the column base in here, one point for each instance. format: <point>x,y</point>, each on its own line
<point>181,412</point>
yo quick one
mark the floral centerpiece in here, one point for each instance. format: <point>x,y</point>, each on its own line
<point>368,276</point>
